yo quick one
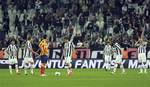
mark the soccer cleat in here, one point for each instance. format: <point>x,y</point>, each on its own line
<point>70,72</point>
<point>11,73</point>
<point>107,69</point>
<point>43,75</point>
<point>145,72</point>
<point>112,72</point>
<point>18,73</point>
<point>140,72</point>
<point>25,73</point>
<point>122,72</point>
<point>32,73</point>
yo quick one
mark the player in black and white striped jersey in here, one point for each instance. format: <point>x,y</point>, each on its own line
<point>118,59</point>
<point>67,52</point>
<point>27,55</point>
<point>12,56</point>
<point>141,55</point>
<point>107,55</point>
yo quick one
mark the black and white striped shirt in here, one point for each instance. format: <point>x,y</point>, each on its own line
<point>12,51</point>
<point>117,49</point>
<point>27,53</point>
<point>108,50</point>
<point>142,49</point>
<point>68,47</point>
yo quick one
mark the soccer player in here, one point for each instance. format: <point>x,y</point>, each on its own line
<point>118,60</point>
<point>141,55</point>
<point>67,52</point>
<point>28,59</point>
<point>12,56</point>
<point>44,54</point>
<point>107,55</point>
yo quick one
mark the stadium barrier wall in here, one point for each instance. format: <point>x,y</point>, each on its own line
<point>79,63</point>
<point>85,58</point>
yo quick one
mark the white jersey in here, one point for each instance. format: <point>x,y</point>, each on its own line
<point>142,49</point>
<point>27,53</point>
<point>117,49</point>
<point>12,51</point>
<point>69,46</point>
<point>142,53</point>
<point>68,49</point>
<point>108,50</point>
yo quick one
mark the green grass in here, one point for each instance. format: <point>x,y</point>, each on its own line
<point>80,78</point>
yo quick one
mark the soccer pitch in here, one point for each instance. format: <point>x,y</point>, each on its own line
<point>80,78</point>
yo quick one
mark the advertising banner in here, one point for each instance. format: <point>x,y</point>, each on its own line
<point>85,58</point>
<point>79,63</point>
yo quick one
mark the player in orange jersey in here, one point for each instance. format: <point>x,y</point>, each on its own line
<point>44,54</point>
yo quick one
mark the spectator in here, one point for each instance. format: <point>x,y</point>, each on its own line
<point>90,18</point>
<point>79,44</point>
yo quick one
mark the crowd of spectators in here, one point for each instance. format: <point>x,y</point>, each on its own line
<point>95,21</point>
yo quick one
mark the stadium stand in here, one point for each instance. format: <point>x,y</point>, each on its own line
<point>95,21</point>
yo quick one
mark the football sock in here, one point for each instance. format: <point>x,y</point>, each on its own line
<point>16,67</point>
<point>32,67</point>
<point>10,69</point>
<point>122,67</point>
<point>115,67</point>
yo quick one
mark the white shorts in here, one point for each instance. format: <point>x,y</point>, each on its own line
<point>13,61</point>
<point>68,60</point>
<point>118,59</point>
<point>107,58</point>
<point>28,60</point>
<point>141,57</point>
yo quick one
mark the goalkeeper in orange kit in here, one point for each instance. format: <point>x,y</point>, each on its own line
<point>43,54</point>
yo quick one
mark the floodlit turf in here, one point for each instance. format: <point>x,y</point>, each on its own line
<point>80,78</point>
